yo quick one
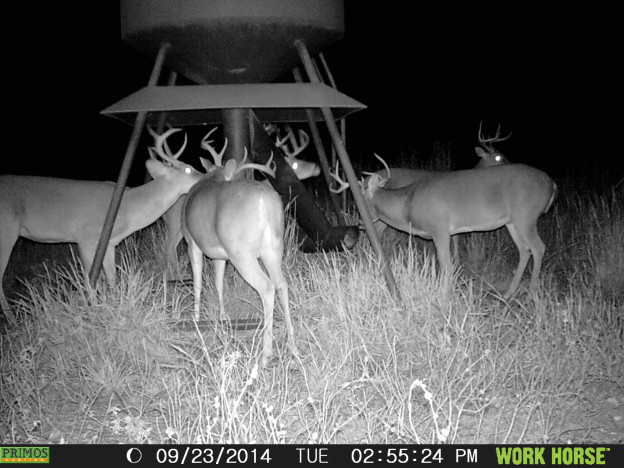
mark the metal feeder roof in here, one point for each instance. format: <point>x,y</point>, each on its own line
<point>231,41</point>
<point>202,104</point>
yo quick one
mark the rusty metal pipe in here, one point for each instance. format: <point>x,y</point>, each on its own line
<point>162,118</point>
<point>120,186</point>
<point>318,143</point>
<point>348,169</point>
<point>343,122</point>
<point>236,130</point>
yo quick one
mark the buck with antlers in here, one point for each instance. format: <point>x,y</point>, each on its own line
<point>54,210</point>
<point>291,147</point>
<point>302,169</point>
<point>489,156</point>
<point>401,177</point>
<point>440,204</point>
<point>239,220</point>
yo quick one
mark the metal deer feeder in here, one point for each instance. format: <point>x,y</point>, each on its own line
<point>233,50</point>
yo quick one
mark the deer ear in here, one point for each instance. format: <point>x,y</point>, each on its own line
<point>155,168</point>
<point>380,182</point>
<point>205,162</point>
<point>376,181</point>
<point>480,152</point>
<point>229,169</point>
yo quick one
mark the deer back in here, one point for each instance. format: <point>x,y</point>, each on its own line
<point>227,217</point>
<point>465,201</point>
<point>53,210</point>
<point>401,177</point>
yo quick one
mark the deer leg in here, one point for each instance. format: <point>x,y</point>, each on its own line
<point>109,265</point>
<point>380,227</point>
<point>197,263</point>
<point>219,267</point>
<point>87,250</point>
<point>8,236</point>
<point>171,252</point>
<point>250,270</point>
<point>524,254</point>
<point>537,248</point>
<point>273,264</point>
<point>173,236</point>
<point>455,241</point>
<point>442,242</point>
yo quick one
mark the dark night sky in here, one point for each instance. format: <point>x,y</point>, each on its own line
<point>427,75</point>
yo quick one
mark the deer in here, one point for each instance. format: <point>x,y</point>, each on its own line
<point>240,220</point>
<point>53,210</point>
<point>302,169</point>
<point>441,204</point>
<point>291,147</point>
<point>401,177</point>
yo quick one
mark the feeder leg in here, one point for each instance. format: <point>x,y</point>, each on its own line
<point>162,118</point>
<point>236,130</point>
<point>348,169</point>
<point>113,208</point>
<point>318,143</point>
<point>343,122</point>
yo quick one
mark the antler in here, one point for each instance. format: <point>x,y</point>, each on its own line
<point>298,147</point>
<point>161,148</point>
<point>368,187</point>
<point>487,142</point>
<point>383,162</point>
<point>206,144</point>
<point>268,168</point>
<point>343,185</point>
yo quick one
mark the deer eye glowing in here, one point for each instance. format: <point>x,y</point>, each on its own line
<point>187,170</point>
<point>295,166</point>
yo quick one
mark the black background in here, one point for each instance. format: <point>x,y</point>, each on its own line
<point>551,76</point>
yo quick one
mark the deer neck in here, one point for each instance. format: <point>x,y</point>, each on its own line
<point>389,206</point>
<point>146,203</point>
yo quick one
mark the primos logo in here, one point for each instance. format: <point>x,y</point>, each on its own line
<point>24,455</point>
